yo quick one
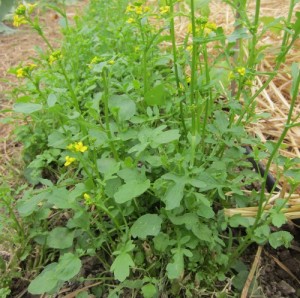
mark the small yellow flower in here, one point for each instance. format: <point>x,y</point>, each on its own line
<point>56,55</point>
<point>189,48</point>
<point>86,196</point>
<point>164,9</point>
<point>19,20</point>
<point>69,160</point>
<point>129,8</point>
<point>79,147</point>
<point>138,10</point>
<point>20,73</point>
<point>111,62</point>
<point>146,8</point>
<point>130,21</point>
<point>188,80</point>
<point>241,71</point>
<point>136,49</point>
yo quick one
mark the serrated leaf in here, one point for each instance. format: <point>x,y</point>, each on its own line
<point>278,219</point>
<point>131,190</point>
<point>238,220</point>
<point>60,238</point>
<point>121,266</point>
<point>146,225</point>
<point>280,238</point>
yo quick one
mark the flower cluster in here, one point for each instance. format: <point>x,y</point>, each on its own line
<point>78,147</point>
<point>56,55</point>
<point>237,73</point>
<point>135,11</point>
<point>22,13</point>
<point>75,147</point>
<point>203,27</point>
<point>164,9</point>
<point>25,71</point>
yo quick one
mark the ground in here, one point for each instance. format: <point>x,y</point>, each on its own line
<point>277,271</point>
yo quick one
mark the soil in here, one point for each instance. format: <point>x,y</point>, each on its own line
<point>278,274</point>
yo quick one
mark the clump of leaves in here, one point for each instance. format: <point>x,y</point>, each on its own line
<point>133,153</point>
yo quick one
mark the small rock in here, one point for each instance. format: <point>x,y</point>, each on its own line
<point>285,288</point>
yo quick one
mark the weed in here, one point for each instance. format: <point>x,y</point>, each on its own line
<point>135,144</point>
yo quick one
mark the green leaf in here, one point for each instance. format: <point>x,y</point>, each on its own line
<point>280,238</point>
<point>60,238</point>
<point>165,137</point>
<point>156,95</point>
<point>238,34</point>
<point>131,190</point>
<point>27,108</point>
<point>123,106</point>
<point>278,219</point>
<point>238,220</point>
<point>175,270</point>
<point>68,266</point>
<point>121,266</point>
<point>146,225</point>
<point>174,195</point>
<point>45,282</point>
<point>51,100</point>
<point>57,140</point>
<point>149,291</point>
<point>161,242</point>
<point>107,166</point>
<point>27,206</point>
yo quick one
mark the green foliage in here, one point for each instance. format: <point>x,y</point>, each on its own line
<point>132,153</point>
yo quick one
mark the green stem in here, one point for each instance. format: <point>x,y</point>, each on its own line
<point>106,113</point>
<point>174,49</point>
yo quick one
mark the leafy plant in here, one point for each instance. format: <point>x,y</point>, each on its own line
<point>134,145</point>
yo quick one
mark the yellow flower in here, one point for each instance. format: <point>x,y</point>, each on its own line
<point>86,196</point>
<point>111,62</point>
<point>20,73</point>
<point>54,56</point>
<point>188,80</point>
<point>87,199</point>
<point>129,8</point>
<point>189,48</point>
<point>19,20</point>
<point>79,147</point>
<point>136,49</point>
<point>138,9</point>
<point>130,20</point>
<point>69,160</point>
<point>241,71</point>
<point>146,8</point>
<point>164,9</point>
